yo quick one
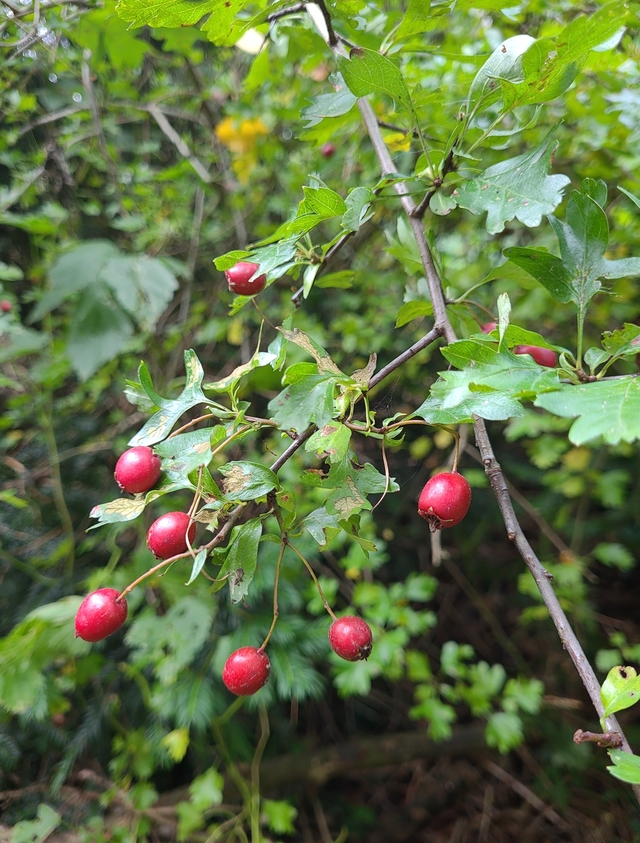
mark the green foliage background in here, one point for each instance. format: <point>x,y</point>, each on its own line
<point>130,159</point>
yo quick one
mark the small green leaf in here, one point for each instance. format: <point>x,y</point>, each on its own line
<point>280,816</point>
<point>121,509</point>
<point>547,269</point>
<point>357,203</point>
<point>367,72</point>
<point>322,526</point>
<point>416,19</point>
<point>309,399</point>
<point>615,555</point>
<point>330,442</point>
<point>413,310</point>
<point>329,105</point>
<point>620,690</point>
<point>36,831</point>
<point>198,564</point>
<point>504,731</point>
<point>188,451</point>
<point>626,766</point>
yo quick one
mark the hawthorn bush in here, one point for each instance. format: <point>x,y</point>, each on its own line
<point>439,206</point>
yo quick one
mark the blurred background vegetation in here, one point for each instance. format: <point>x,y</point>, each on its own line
<point>129,160</point>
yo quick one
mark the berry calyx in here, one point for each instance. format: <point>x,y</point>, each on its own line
<point>241,281</point>
<point>542,356</point>
<point>350,638</point>
<point>246,671</point>
<point>444,500</point>
<point>488,327</point>
<point>167,536</point>
<point>6,306</point>
<point>138,469</point>
<point>327,150</point>
<point>100,614</point>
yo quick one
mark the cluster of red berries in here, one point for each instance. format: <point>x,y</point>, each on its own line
<point>104,611</point>
<point>543,356</point>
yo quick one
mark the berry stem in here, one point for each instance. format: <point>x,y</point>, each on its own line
<point>164,563</point>
<point>387,477</point>
<point>315,579</point>
<point>265,731</point>
<point>276,581</point>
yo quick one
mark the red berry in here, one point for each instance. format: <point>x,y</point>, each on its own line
<point>138,469</point>
<point>6,306</point>
<point>100,614</point>
<point>240,280</point>
<point>445,500</point>
<point>167,536</point>
<point>488,327</point>
<point>542,356</point>
<point>246,671</point>
<point>327,150</point>
<point>350,637</point>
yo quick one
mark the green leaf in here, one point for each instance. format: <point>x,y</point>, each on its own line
<point>198,564</point>
<point>186,452</point>
<point>358,203</point>
<point>159,425</point>
<point>505,63</point>
<point>229,383</point>
<point>367,72</point>
<point>622,342</point>
<point>329,105</point>
<point>620,690</point>
<point>330,442</point>
<point>241,559</point>
<point>516,188</point>
<point>615,555</point>
<point>322,201</point>
<point>280,815</point>
<point>143,286</point>
<point>219,26</point>
<point>121,509</point>
<point>411,310</point>
<point>626,766</point>
<point>165,12</point>
<point>341,280</point>
<point>610,409</point>
<point>322,526</point>
<point>308,400</point>
<point>319,354</point>
<point>416,19</point>
<point>36,831</point>
<point>247,481</point>
<point>504,731</point>
<point>547,269</point>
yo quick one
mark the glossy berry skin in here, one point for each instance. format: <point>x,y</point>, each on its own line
<point>240,281</point>
<point>167,536</point>
<point>246,671</point>
<point>350,638</point>
<point>6,306</point>
<point>488,327</point>
<point>327,150</point>
<point>542,356</point>
<point>445,500</point>
<point>100,614</point>
<point>138,469</point>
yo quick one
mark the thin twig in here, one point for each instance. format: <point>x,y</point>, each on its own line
<point>167,129</point>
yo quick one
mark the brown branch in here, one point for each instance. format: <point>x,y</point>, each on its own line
<point>167,129</point>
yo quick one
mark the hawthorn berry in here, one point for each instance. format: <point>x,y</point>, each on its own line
<point>138,469</point>
<point>350,637</point>
<point>542,356</point>
<point>6,306</point>
<point>488,327</point>
<point>240,279</point>
<point>246,671</point>
<point>101,613</point>
<point>444,500</point>
<point>167,536</point>
<point>327,150</point>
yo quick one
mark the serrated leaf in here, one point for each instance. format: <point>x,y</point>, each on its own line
<point>505,63</point>
<point>342,279</point>
<point>620,690</point>
<point>330,442</point>
<point>241,558</point>
<point>188,451</point>
<point>159,425</point>
<point>322,201</point>
<point>367,72</point>
<point>246,481</point>
<point>309,399</point>
<point>416,19</point>
<point>610,409</point>
<point>260,358</point>
<point>319,354</point>
<point>625,340</point>
<point>322,526</point>
<point>516,188</point>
